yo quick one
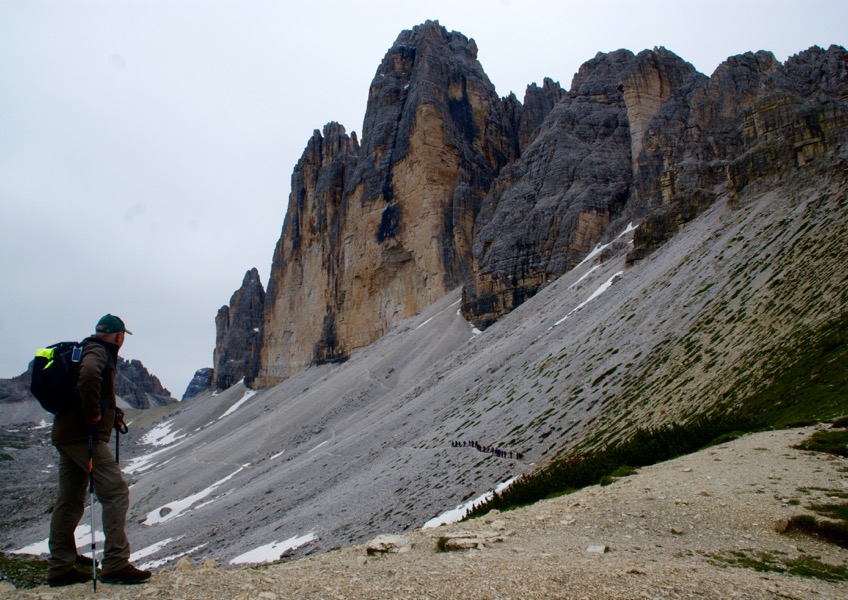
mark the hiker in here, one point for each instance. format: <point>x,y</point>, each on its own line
<point>95,415</point>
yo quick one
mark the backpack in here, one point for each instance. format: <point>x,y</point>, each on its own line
<point>54,376</point>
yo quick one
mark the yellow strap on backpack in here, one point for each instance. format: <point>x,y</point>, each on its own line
<point>45,353</point>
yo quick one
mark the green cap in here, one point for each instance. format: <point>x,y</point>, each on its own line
<point>111,324</point>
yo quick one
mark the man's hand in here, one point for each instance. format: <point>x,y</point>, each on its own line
<point>93,421</point>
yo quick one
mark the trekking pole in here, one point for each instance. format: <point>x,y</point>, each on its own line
<point>91,494</point>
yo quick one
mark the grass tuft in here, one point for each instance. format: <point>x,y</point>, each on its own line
<point>765,562</point>
<point>831,442</point>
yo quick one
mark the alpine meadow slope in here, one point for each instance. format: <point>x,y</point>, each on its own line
<point>651,246</point>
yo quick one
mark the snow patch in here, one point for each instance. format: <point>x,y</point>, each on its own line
<point>161,435</point>
<point>174,509</point>
<point>458,513</point>
<point>153,549</point>
<point>82,534</point>
<point>247,396</point>
<point>604,287</point>
<point>318,446</point>
<point>155,564</point>
<point>145,462</point>
<point>423,324</point>
<point>273,551</point>
<point>601,247</point>
<point>584,276</point>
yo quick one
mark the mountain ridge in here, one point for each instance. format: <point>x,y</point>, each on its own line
<point>135,387</point>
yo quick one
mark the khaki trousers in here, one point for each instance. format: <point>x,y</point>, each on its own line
<point>114,496</point>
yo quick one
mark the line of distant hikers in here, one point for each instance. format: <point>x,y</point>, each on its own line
<point>490,449</point>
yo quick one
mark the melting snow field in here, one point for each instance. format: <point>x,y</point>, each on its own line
<point>601,247</point>
<point>457,514</point>
<point>273,551</point>
<point>152,549</point>
<point>603,287</point>
<point>174,509</point>
<point>155,564</point>
<point>145,462</point>
<point>161,435</point>
<point>83,541</point>
<point>247,396</point>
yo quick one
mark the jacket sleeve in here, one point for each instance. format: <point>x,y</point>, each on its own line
<point>90,380</point>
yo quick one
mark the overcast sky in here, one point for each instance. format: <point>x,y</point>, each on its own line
<point>147,146</point>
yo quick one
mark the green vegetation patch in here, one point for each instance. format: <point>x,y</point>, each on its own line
<point>832,442</point>
<point>24,572</point>
<point>766,562</point>
<point>833,527</point>
<point>835,532</point>
<point>644,447</point>
<point>813,388</point>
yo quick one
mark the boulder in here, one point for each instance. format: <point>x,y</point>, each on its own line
<point>389,544</point>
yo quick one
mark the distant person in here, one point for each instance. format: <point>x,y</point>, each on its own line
<point>95,413</point>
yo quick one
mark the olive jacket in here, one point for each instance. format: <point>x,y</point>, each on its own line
<point>96,389</point>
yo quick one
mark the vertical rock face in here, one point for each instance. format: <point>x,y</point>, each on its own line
<point>753,118</point>
<point>239,333</point>
<point>647,139</point>
<point>538,103</point>
<point>304,282</point>
<point>551,206</point>
<point>375,234</point>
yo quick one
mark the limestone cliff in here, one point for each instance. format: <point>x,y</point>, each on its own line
<point>375,233</point>
<point>647,139</point>
<point>550,207</point>
<point>453,186</point>
<point>753,119</point>
<point>239,333</point>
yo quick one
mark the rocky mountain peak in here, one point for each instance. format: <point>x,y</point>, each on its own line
<point>239,333</point>
<point>375,233</point>
<point>136,386</point>
<point>203,380</point>
<point>538,102</point>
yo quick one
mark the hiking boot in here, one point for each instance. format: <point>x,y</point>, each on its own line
<point>84,561</point>
<point>129,575</point>
<point>71,577</point>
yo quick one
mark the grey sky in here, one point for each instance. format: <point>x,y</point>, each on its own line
<point>146,146</point>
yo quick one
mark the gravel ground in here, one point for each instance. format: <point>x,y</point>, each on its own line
<point>669,531</point>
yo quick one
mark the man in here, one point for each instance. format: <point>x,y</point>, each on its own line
<point>95,415</point>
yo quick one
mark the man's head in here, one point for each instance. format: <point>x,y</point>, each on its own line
<point>111,329</point>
